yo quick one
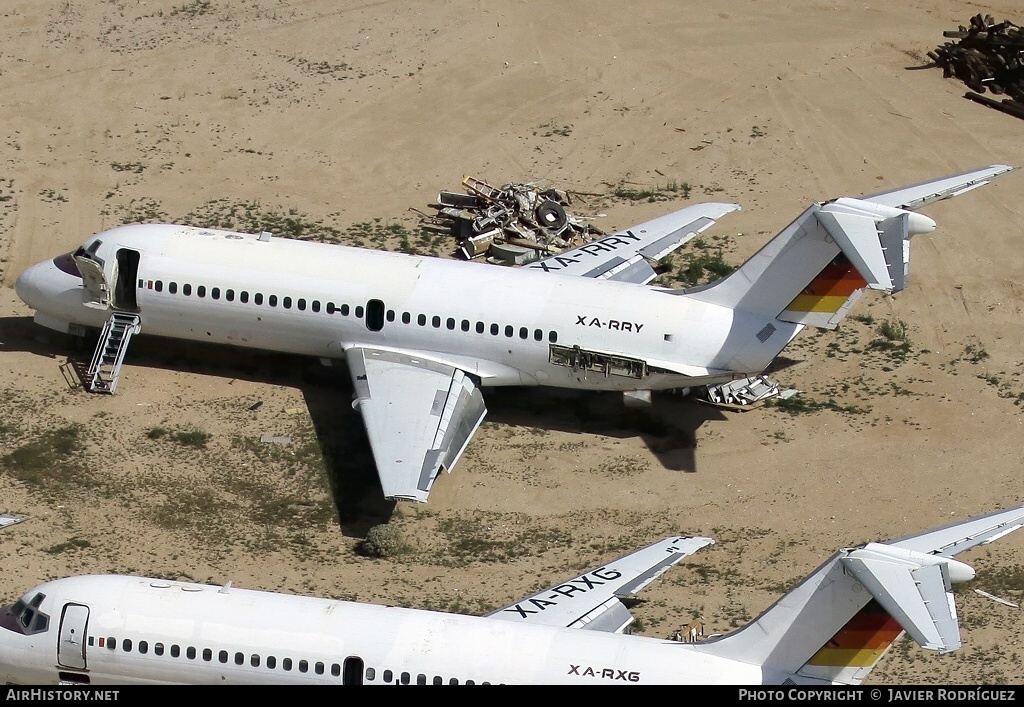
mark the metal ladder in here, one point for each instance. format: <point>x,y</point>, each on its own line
<point>106,362</point>
<point>483,189</point>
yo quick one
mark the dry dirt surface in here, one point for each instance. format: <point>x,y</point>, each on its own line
<point>320,117</point>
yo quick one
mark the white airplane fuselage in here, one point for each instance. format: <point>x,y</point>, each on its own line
<point>116,629</point>
<point>505,326</point>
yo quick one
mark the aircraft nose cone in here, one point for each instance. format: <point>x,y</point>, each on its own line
<point>29,286</point>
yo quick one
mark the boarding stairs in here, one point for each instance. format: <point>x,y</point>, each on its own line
<point>106,362</point>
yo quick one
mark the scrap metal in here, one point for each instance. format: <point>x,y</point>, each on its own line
<point>514,223</point>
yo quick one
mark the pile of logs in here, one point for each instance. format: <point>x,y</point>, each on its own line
<point>514,223</point>
<point>988,56</point>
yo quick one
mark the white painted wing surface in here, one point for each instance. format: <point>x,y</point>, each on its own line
<point>624,256</point>
<point>592,600</point>
<point>923,193</point>
<point>419,417</point>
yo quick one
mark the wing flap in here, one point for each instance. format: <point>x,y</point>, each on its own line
<point>592,600</point>
<point>419,417</point>
<point>623,256</point>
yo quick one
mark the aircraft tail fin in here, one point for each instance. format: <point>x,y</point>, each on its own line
<point>813,271</point>
<point>838,622</point>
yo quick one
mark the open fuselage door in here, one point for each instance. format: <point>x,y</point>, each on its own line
<point>97,287</point>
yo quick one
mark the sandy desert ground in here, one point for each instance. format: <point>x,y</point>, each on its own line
<point>346,115</point>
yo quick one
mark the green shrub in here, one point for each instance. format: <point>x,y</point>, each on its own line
<point>383,541</point>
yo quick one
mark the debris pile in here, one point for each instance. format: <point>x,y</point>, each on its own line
<point>990,56</point>
<point>512,224</point>
<point>745,393</point>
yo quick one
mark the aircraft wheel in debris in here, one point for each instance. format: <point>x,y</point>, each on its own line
<point>550,214</point>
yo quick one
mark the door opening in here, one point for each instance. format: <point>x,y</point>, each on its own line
<point>127,276</point>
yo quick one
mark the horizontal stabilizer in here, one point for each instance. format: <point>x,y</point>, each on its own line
<point>918,195</point>
<point>592,600</point>
<point>874,238</point>
<point>956,537</point>
<point>918,595</point>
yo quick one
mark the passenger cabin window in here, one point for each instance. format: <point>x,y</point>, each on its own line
<point>301,304</point>
<point>186,289</point>
<point>272,300</point>
<point>287,302</point>
<point>258,298</point>
<point>303,666</point>
<point>222,656</point>
<point>229,295</point>
<point>126,645</point>
<point>450,323</point>
<point>175,650</point>
<point>207,654</point>
<point>359,312</point>
<point>509,331</point>
<point>143,647</point>
<point>158,286</point>
<point>271,662</point>
<point>215,293</point>
<point>344,311</point>
<point>494,329</point>
<point>172,287</point>
<point>436,322</point>
<point>421,319</point>
<point>158,648</point>
<point>201,291</point>
<point>315,306</point>
<point>406,317</point>
<point>190,653</point>
<point>243,297</point>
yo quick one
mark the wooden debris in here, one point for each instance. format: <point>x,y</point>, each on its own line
<point>989,56</point>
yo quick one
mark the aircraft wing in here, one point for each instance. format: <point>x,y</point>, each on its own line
<point>593,599</point>
<point>419,417</point>
<point>624,256</point>
<point>918,195</point>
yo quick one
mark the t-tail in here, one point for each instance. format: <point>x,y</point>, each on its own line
<point>814,270</point>
<point>838,623</point>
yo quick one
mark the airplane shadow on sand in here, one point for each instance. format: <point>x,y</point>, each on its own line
<point>668,427</point>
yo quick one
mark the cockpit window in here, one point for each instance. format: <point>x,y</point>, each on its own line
<point>27,616</point>
<point>66,263</point>
<point>93,247</point>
